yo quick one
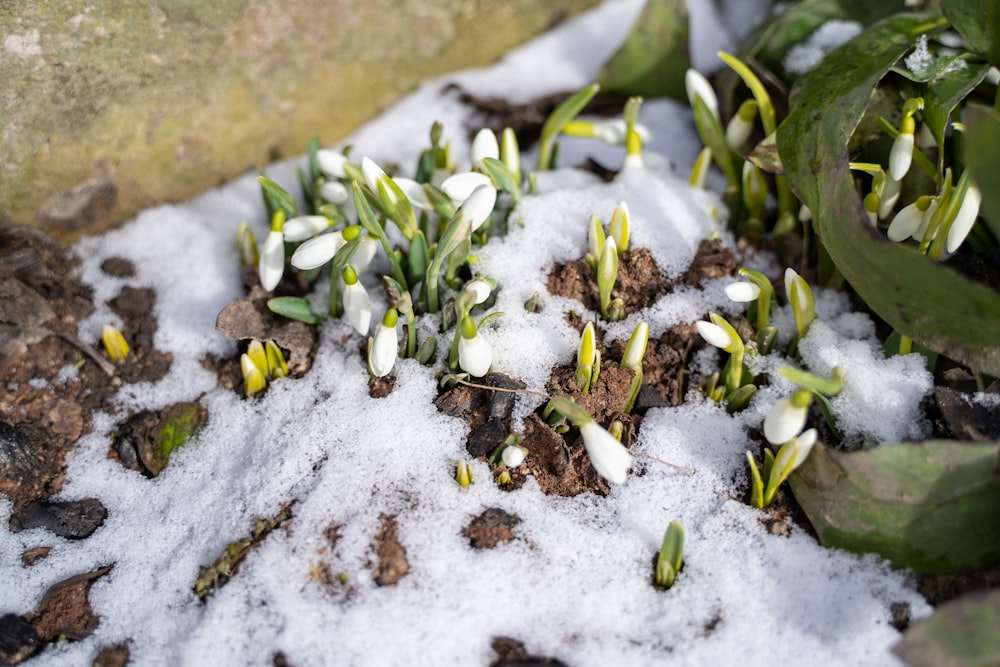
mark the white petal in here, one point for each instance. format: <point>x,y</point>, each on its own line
<point>372,172</point>
<point>475,355</point>
<point>317,251</point>
<point>918,233</point>
<point>357,307</point>
<point>485,145</point>
<point>784,422</point>
<point>461,186</point>
<point>331,163</point>
<point>610,131</point>
<point>512,456</point>
<point>901,155</point>
<point>697,85</point>
<point>713,334</point>
<point>905,223</point>
<point>334,192</point>
<point>964,219</point>
<point>608,456</point>
<point>480,288</point>
<point>803,445</point>
<point>304,227</point>
<point>272,261</point>
<point>890,195</point>
<point>737,132</point>
<point>479,205</point>
<point>742,292</point>
<point>414,192</point>
<point>383,352</point>
<point>365,253</point>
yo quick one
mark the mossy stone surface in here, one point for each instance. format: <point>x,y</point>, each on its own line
<point>107,107</point>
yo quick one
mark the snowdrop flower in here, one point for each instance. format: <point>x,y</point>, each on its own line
<point>510,153</point>
<point>365,253</point>
<point>461,186</point>
<point>114,343</point>
<point>317,251</point>
<point>698,86</point>
<point>635,350</point>
<point>890,195</point>
<point>588,359</point>
<point>741,125</point>
<point>384,347</point>
<point>717,335</point>
<point>595,237</point>
<point>611,131</point>
<point>618,228</point>
<point>305,227</point>
<point>742,292</point>
<point>272,255</point>
<point>475,356</point>
<point>414,192</point>
<point>357,304</point>
<point>964,219</point>
<point>484,145</point>
<point>791,455</point>
<point>800,298</point>
<point>512,456</point>
<point>901,154</point>
<point>479,205</point>
<point>334,192</point>
<point>480,289</point>
<point>253,378</point>
<point>910,218</point>
<point>608,456</point>
<point>372,173</point>
<point>787,417</point>
<point>331,163</point>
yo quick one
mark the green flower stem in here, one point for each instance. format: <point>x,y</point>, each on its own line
<point>367,218</point>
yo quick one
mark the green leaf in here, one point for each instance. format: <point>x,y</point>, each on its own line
<point>961,633</point>
<point>944,93</point>
<point>930,506</point>
<point>502,177</point>
<point>294,308</point>
<point>276,197</point>
<point>557,120</point>
<point>714,136</point>
<point>982,158</point>
<point>978,21</point>
<point>652,60</point>
<point>918,297</point>
<point>367,219</point>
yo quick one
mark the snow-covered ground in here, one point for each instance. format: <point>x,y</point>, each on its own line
<point>575,582</point>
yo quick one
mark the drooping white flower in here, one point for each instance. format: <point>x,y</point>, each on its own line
<point>512,456</point>
<point>414,192</point>
<point>480,289</point>
<point>741,125</point>
<point>364,254</point>
<point>484,145</point>
<point>357,304</point>
<point>475,355</point>
<point>890,195</point>
<point>272,260</point>
<point>901,154</point>
<point>384,347</point>
<point>372,173</point>
<point>698,86</point>
<point>317,251</point>
<point>713,334</point>
<point>334,192</point>
<point>608,456</point>
<point>461,186</point>
<point>304,227</point>
<point>794,453</point>
<point>908,220</point>
<point>964,219</point>
<point>479,205</point>
<point>742,292</point>
<point>331,163</point>
<point>787,418</point>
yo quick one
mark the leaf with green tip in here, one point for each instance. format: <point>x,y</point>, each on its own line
<point>294,308</point>
<point>652,60</point>
<point>982,157</point>
<point>925,300</point>
<point>978,21</point>
<point>714,137</point>
<point>557,120</point>
<point>961,633</point>
<point>276,197</point>
<point>930,506</point>
<point>502,177</point>
<point>944,93</point>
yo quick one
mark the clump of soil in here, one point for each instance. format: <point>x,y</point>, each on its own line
<point>392,564</point>
<point>491,528</point>
<point>640,282</point>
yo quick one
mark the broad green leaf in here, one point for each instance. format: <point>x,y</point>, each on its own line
<point>982,157</point>
<point>294,308</point>
<point>652,60</point>
<point>944,93</point>
<point>930,506</point>
<point>961,633</point>
<point>920,298</point>
<point>978,21</point>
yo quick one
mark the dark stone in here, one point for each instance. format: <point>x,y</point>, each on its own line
<point>511,653</point>
<point>74,519</point>
<point>118,267</point>
<point>968,420</point>
<point>18,639</point>
<point>487,412</point>
<point>19,464</point>
<point>491,528</point>
<point>648,398</point>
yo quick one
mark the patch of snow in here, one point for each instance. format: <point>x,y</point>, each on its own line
<point>804,56</point>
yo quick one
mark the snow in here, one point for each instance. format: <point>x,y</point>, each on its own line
<point>804,56</point>
<point>575,583</point>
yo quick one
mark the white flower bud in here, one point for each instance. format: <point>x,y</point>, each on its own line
<point>713,334</point>
<point>384,349</point>
<point>964,219</point>
<point>317,251</point>
<point>272,260</point>
<point>901,155</point>
<point>357,307</point>
<point>334,192</point>
<point>461,186</point>
<point>785,420</point>
<point>331,163</point>
<point>479,205</point>
<point>304,227</point>
<point>742,292</point>
<point>608,456</point>
<point>512,456</point>
<point>484,145</point>
<point>698,86</point>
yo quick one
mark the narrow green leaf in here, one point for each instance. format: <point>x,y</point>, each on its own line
<point>294,308</point>
<point>367,219</point>
<point>502,178</point>
<point>277,197</point>
<point>922,299</point>
<point>930,506</point>
<point>944,93</point>
<point>557,120</point>
<point>978,21</point>
<point>714,136</point>
<point>961,633</point>
<point>654,56</point>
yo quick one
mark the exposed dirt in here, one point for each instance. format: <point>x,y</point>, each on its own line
<point>491,528</point>
<point>391,564</point>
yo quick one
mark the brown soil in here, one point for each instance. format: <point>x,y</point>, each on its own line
<point>392,564</point>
